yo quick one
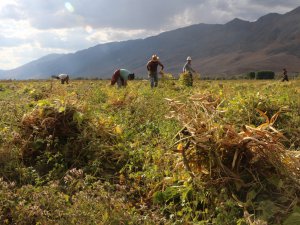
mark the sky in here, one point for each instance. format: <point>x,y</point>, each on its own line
<point>31,29</point>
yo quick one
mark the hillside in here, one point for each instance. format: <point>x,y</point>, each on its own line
<point>272,42</point>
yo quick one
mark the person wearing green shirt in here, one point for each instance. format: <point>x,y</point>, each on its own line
<point>121,76</point>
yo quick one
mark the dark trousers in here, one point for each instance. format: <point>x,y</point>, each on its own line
<point>65,80</point>
<point>191,78</point>
<point>153,79</point>
<point>285,78</point>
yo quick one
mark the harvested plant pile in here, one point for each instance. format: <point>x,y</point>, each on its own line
<point>251,165</point>
<point>56,133</point>
<point>185,79</point>
<point>49,125</point>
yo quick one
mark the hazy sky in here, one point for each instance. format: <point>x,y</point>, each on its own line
<point>31,29</point>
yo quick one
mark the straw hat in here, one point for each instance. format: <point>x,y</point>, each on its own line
<point>155,58</point>
<point>189,58</point>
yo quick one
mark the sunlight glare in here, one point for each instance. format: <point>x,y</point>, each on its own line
<point>69,7</point>
<point>88,29</point>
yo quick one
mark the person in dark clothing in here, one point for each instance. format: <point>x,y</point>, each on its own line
<point>152,70</point>
<point>121,76</point>
<point>285,76</point>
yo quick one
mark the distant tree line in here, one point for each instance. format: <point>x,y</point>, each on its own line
<point>261,75</point>
<point>258,75</point>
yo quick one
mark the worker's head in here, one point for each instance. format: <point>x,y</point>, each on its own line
<point>284,69</point>
<point>131,76</point>
<point>189,58</point>
<point>155,58</point>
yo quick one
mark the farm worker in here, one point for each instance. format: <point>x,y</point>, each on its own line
<point>187,68</point>
<point>285,76</point>
<point>62,77</point>
<point>152,70</point>
<point>121,76</point>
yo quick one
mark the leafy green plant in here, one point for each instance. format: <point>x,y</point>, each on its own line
<point>100,155</point>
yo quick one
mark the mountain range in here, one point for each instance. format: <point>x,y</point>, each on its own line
<point>270,43</point>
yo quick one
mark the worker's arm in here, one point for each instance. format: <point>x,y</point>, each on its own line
<point>148,66</point>
<point>184,68</point>
<point>162,66</point>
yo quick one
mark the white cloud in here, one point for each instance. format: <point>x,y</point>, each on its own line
<point>110,34</point>
<point>16,55</point>
<point>4,3</point>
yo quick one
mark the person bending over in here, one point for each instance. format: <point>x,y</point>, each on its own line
<point>121,76</point>
<point>62,77</point>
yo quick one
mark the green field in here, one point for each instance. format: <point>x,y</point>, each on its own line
<point>89,153</point>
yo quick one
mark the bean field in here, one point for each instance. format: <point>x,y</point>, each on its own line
<point>220,152</point>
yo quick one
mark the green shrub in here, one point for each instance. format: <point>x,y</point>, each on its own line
<point>89,203</point>
<point>251,75</point>
<point>264,75</point>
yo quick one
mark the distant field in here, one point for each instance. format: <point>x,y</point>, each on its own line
<point>89,153</point>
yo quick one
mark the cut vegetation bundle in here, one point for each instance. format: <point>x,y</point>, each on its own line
<point>185,79</point>
<point>251,166</point>
<point>58,134</point>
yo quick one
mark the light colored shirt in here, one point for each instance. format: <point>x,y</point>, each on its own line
<point>124,73</point>
<point>62,76</point>
<point>188,68</point>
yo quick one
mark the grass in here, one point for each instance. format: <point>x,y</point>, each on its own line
<point>121,166</point>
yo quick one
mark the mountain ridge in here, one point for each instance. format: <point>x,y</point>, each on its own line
<point>271,42</point>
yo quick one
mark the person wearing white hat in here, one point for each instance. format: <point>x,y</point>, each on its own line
<point>152,70</point>
<point>187,68</point>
